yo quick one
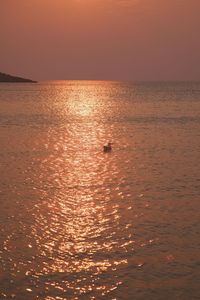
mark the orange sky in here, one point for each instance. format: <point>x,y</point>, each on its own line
<point>101,39</point>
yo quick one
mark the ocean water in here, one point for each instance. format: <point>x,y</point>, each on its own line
<point>78,223</point>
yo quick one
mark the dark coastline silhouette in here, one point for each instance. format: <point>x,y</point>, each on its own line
<point>9,78</point>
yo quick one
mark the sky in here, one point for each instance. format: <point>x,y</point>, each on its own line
<point>100,39</point>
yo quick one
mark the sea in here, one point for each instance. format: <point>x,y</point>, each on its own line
<point>78,223</point>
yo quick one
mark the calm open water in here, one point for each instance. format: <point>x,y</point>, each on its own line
<point>77,223</point>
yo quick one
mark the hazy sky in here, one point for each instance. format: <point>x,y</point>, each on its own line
<point>101,39</point>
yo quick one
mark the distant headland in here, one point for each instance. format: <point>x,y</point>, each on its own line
<point>9,78</point>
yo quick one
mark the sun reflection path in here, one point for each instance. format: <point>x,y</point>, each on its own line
<point>81,101</point>
<point>80,239</point>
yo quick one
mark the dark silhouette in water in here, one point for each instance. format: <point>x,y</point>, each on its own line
<point>107,148</point>
<point>9,78</point>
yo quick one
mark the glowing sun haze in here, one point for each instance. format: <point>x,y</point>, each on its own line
<point>101,39</point>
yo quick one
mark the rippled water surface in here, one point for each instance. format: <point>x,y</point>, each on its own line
<point>78,223</point>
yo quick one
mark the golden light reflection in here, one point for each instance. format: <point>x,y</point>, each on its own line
<point>83,227</point>
<point>80,99</point>
<point>84,105</point>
